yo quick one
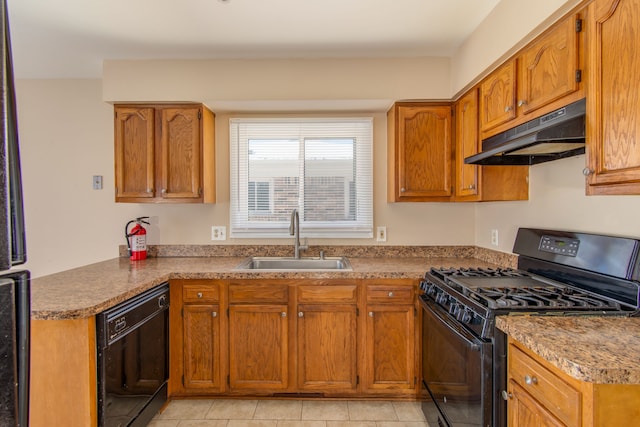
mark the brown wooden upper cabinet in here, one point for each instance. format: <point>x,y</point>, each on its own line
<point>545,75</point>
<point>164,154</point>
<point>613,104</point>
<point>482,183</point>
<point>419,152</point>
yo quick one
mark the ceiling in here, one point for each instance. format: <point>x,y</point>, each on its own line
<point>71,38</point>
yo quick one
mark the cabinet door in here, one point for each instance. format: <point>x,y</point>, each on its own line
<point>327,357</point>
<point>467,144</point>
<point>498,97</point>
<point>201,357</point>
<point>258,347</point>
<point>424,152</point>
<point>613,105</point>
<point>181,153</point>
<point>134,153</point>
<point>548,67</point>
<point>390,348</point>
<point>524,411</point>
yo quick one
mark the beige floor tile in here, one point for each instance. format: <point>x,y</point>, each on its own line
<point>190,409</point>
<point>298,423</point>
<point>371,411</point>
<point>231,409</point>
<point>278,410</point>
<point>203,423</point>
<point>325,410</point>
<point>163,423</point>
<point>402,424</point>
<point>409,411</point>
<point>252,423</point>
<point>351,424</point>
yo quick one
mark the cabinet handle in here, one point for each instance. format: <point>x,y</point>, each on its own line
<point>587,171</point>
<point>402,190</point>
<point>506,395</point>
<point>214,314</point>
<point>522,102</point>
<point>390,294</point>
<point>283,314</point>
<point>199,294</point>
<point>530,380</point>
<point>300,314</point>
<point>472,187</point>
<point>371,314</point>
<point>508,108</point>
<point>164,191</point>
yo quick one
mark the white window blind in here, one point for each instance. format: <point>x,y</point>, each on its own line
<point>321,167</point>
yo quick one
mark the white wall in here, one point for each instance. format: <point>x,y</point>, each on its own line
<point>66,137</point>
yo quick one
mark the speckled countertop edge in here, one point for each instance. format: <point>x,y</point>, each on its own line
<point>85,291</point>
<point>594,349</point>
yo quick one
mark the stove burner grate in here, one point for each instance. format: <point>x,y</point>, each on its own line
<point>539,297</point>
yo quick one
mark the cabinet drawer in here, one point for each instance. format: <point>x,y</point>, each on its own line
<point>200,293</point>
<point>240,292</point>
<point>328,294</point>
<point>390,294</point>
<point>561,399</point>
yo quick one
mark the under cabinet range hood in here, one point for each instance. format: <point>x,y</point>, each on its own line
<point>555,135</point>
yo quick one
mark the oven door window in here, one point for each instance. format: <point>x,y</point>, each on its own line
<point>134,370</point>
<point>456,369</point>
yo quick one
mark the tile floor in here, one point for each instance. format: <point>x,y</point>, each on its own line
<point>289,413</point>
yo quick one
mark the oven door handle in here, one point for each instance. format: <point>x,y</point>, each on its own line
<point>474,343</point>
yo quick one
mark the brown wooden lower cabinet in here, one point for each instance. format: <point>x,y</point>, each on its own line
<point>333,338</point>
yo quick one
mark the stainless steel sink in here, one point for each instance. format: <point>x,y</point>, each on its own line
<point>292,264</point>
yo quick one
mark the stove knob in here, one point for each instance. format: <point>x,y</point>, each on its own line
<point>467,316</point>
<point>453,308</point>
<point>442,298</point>
<point>458,312</point>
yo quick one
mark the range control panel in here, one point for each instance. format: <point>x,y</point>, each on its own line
<point>559,245</point>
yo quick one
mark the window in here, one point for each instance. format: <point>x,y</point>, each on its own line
<point>321,167</point>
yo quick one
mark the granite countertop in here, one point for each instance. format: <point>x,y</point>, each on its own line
<point>88,290</point>
<point>601,350</point>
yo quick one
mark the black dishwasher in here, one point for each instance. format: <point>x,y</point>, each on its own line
<point>132,340</point>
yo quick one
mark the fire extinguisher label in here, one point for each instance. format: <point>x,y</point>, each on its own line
<point>138,243</point>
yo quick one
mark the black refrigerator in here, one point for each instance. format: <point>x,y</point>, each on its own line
<point>15,306</point>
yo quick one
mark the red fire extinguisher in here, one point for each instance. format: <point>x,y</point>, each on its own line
<point>137,239</point>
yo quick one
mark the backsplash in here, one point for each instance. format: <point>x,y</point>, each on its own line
<point>488,255</point>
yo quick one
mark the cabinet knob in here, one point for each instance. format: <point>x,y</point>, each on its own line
<point>472,187</point>
<point>402,190</point>
<point>390,294</point>
<point>149,190</point>
<point>300,314</point>
<point>508,108</point>
<point>283,314</point>
<point>164,191</point>
<point>371,314</point>
<point>214,314</point>
<point>522,102</point>
<point>530,380</point>
<point>199,294</point>
<point>506,395</point>
<point>587,171</point>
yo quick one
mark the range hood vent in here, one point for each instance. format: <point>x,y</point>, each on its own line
<point>556,135</point>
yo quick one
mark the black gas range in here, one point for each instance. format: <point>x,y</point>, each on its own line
<point>558,273</point>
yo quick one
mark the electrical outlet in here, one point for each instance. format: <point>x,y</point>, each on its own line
<point>494,237</point>
<point>97,182</point>
<point>218,232</point>
<point>381,234</point>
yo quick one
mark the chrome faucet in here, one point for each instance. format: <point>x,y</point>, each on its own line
<point>294,230</point>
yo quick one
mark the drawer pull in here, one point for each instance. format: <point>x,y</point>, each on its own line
<point>530,380</point>
<point>214,314</point>
<point>371,314</point>
<point>506,395</point>
<point>199,294</point>
<point>390,294</point>
<point>300,314</point>
<point>283,314</point>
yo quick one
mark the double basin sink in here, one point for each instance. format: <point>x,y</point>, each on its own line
<point>294,264</point>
